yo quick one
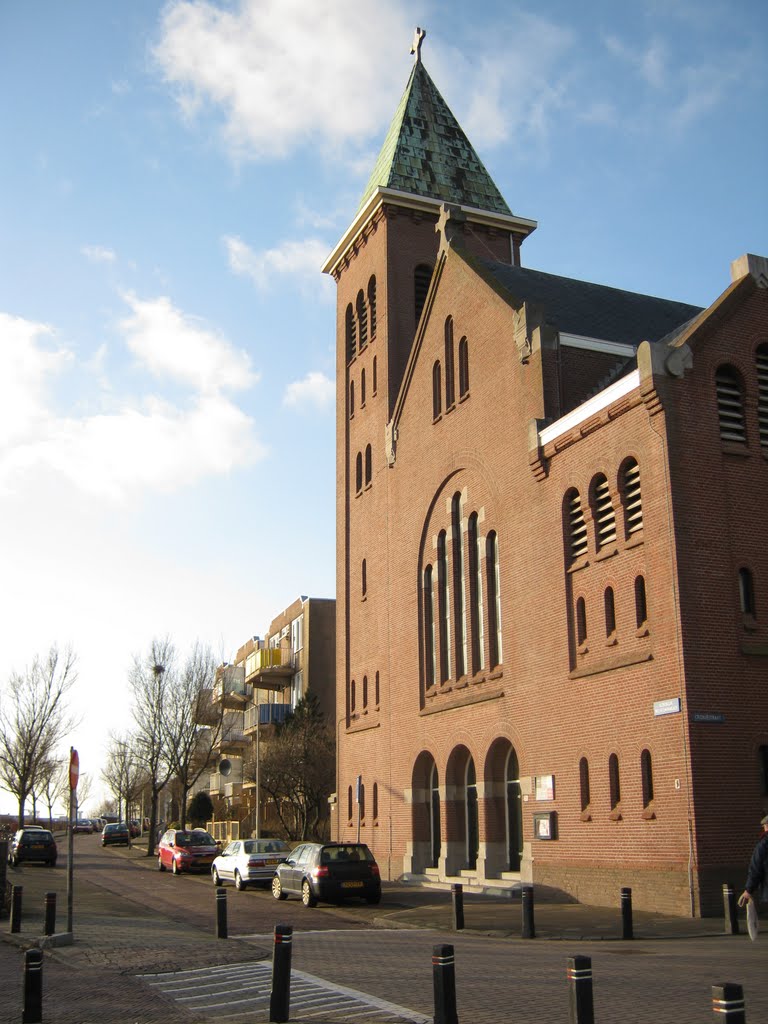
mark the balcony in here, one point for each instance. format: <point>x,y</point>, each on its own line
<point>269,668</point>
<point>233,741</point>
<point>220,784</point>
<point>265,714</point>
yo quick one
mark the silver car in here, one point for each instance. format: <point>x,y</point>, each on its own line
<point>249,860</point>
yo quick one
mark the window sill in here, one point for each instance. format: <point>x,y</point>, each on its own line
<point>615,814</point>
<point>612,641</point>
<point>634,541</point>
<point>581,563</point>
<point>464,397</point>
<point>586,815</point>
<point>648,813</point>
<point>603,554</point>
<point>755,648</point>
<point>436,419</point>
<point>749,622</point>
<point>368,486</point>
<point>733,448</point>
<point>642,631</point>
<point>362,727</point>
<point>610,664</point>
<point>460,700</point>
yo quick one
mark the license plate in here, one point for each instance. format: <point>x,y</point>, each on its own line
<point>38,846</point>
<point>351,885</point>
<point>272,860</point>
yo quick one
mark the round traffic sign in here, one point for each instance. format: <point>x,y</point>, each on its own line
<point>74,768</point>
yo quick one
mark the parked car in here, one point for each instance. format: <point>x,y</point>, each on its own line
<point>182,849</point>
<point>135,828</point>
<point>328,872</point>
<point>249,860</point>
<point>33,844</point>
<point>116,834</point>
<point>82,825</point>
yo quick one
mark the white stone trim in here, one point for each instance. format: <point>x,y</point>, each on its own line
<point>583,412</point>
<point>612,348</point>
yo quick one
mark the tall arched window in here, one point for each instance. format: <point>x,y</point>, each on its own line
<point>437,398</point>
<point>430,654</point>
<point>633,502</point>
<point>364,578</point>
<point>349,804</point>
<point>610,612</point>
<point>375,381</point>
<point>493,577</point>
<point>463,368</point>
<point>614,783</point>
<point>365,693</point>
<point>577,528</point>
<point>422,275</point>
<point>605,517</point>
<point>375,807</point>
<point>352,696</point>
<point>646,776</point>
<point>581,622</point>
<point>746,592</point>
<point>362,388</point>
<point>586,797</point>
<point>362,321</point>
<point>368,465</point>
<point>359,472</point>
<point>450,385</point>
<point>730,405</point>
<point>472,827</point>
<point>351,399</point>
<point>443,608</point>
<point>351,330</point>
<point>372,305</point>
<point>641,602</point>
<point>361,804</point>
<point>459,604</point>
<point>376,690</point>
<point>475,596</point>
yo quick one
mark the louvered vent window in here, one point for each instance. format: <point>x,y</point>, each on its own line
<point>762,394</point>
<point>578,527</point>
<point>606,517</point>
<point>372,305</point>
<point>730,406</point>
<point>362,320</point>
<point>633,502</point>
<point>351,331</point>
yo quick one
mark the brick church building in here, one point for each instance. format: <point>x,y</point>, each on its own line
<point>552,582</point>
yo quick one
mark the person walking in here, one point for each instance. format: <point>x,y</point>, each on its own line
<point>757,872</point>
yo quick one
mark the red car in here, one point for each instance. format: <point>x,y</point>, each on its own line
<point>182,849</point>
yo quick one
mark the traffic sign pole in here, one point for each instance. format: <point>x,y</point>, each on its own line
<point>74,775</point>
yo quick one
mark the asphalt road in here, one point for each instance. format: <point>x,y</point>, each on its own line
<point>145,951</point>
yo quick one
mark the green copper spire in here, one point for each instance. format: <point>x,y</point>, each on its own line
<point>426,152</point>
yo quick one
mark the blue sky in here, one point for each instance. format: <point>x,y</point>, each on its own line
<point>172,177</point>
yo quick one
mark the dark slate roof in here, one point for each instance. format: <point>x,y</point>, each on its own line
<point>593,310</point>
<point>427,154</point>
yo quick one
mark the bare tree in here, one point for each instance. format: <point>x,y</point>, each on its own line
<point>33,720</point>
<point>52,784</point>
<point>296,770</point>
<point>194,722</point>
<point>153,682</point>
<point>123,773</point>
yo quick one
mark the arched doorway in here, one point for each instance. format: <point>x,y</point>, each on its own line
<point>470,804</point>
<point>434,816</point>
<point>514,812</point>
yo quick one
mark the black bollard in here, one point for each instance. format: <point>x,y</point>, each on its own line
<point>16,893</point>
<point>221,913</point>
<point>50,913</point>
<point>33,987</point>
<point>526,895</point>
<point>457,897</point>
<point>626,914</point>
<point>580,1003</point>
<point>444,983</point>
<point>280,997</point>
<point>728,1003</point>
<point>730,910</point>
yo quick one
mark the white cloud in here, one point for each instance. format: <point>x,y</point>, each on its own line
<point>313,390</point>
<point>26,366</point>
<point>303,259</point>
<point>98,254</point>
<point>151,444</point>
<point>172,344</point>
<point>650,63</point>
<point>277,68</point>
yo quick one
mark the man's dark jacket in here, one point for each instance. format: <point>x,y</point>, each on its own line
<point>757,873</point>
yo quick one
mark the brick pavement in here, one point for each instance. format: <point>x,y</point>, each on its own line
<point>117,938</point>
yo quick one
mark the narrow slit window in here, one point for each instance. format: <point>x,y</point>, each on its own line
<point>581,622</point>
<point>614,782</point>
<point>376,691</point>
<point>459,611</point>
<point>375,381</point>
<point>362,388</point>
<point>351,399</point>
<point>349,803</point>
<point>646,776</point>
<point>359,472</point>
<point>368,465</point>
<point>746,592</point>
<point>443,609</point>
<point>610,612</point>
<point>586,798</point>
<point>437,397</point>
<point>364,578</point>
<point>641,602</point>
<point>450,387</point>
<point>365,692</point>
<point>475,596</point>
<point>375,801</point>
<point>463,368</point>
<point>493,578</point>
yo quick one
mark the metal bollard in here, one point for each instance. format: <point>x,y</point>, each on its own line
<point>221,913</point>
<point>581,1008</point>
<point>457,897</point>
<point>33,987</point>
<point>728,1003</point>
<point>627,931</point>
<point>280,997</point>
<point>730,910</point>
<point>529,931</point>
<point>444,983</point>
<point>50,913</point>
<point>16,893</point>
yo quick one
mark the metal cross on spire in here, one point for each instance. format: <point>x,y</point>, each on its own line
<point>418,39</point>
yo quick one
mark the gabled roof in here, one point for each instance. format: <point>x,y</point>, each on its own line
<point>426,153</point>
<point>592,310</point>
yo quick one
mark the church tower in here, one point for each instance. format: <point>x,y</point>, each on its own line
<point>383,266</point>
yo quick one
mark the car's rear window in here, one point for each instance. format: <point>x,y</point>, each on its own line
<point>194,839</point>
<point>345,853</point>
<point>37,835</point>
<point>265,846</point>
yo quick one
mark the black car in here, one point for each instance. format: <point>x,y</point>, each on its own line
<point>330,872</point>
<point>33,844</point>
<point>116,834</point>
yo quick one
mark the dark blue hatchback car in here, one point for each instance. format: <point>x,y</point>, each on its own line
<point>330,872</point>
